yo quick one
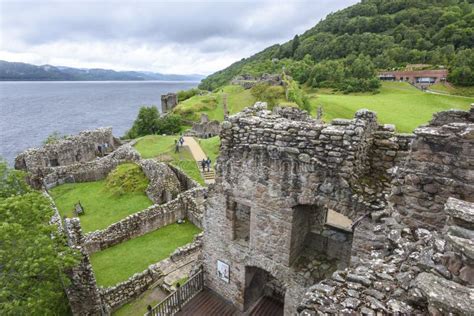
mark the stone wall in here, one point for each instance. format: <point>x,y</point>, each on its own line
<point>419,272</point>
<point>79,148</point>
<point>115,296</point>
<point>205,128</point>
<point>83,294</point>
<point>188,204</point>
<point>164,184</point>
<point>94,170</point>
<point>248,81</point>
<point>187,183</point>
<point>439,167</point>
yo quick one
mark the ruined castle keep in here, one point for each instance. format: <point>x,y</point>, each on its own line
<point>320,217</point>
<point>168,102</point>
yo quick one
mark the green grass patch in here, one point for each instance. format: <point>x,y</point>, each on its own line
<point>210,146</point>
<point>181,281</point>
<point>138,306</point>
<point>397,103</point>
<point>118,263</point>
<point>163,148</point>
<point>102,207</point>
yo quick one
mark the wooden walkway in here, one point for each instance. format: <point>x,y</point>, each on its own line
<point>199,155</point>
<point>208,303</point>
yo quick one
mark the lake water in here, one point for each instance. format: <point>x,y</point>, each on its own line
<point>30,111</point>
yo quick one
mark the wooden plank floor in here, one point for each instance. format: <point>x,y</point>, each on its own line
<point>208,303</point>
<point>267,307</point>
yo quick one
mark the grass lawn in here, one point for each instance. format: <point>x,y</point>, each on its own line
<point>118,263</point>
<point>162,148</point>
<point>397,103</point>
<point>101,206</point>
<point>210,146</point>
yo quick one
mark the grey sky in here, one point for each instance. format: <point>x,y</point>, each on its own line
<point>163,36</point>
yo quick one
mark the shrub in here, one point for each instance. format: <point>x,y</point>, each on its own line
<point>186,94</point>
<point>126,178</point>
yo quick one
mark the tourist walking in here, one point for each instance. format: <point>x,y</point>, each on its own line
<point>176,146</point>
<point>181,140</point>
<point>203,165</point>
<point>208,163</point>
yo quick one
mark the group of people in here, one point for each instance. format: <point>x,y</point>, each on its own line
<point>206,163</point>
<point>178,143</point>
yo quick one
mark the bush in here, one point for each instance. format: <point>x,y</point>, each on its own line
<point>186,94</point>
<point>270,94</point>
<point>53,138</point>
<point>126,178</point>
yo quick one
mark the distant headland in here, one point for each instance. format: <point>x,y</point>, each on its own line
<point>13,71</point>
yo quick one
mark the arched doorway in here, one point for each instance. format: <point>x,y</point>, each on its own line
<point>263,293</point>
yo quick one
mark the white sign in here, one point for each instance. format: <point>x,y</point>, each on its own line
<point>223,271</point>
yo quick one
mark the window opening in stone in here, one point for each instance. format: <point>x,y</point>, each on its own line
<point>241,222</point>
<point>53,162</point>
<point>261,288</point>
<point>321,242</point>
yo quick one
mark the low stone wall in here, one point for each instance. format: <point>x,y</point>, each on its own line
<point>94,170</point>
<point>164,184</point>
<point>78,148</point>
<point>188,204</point>
<point>121,293</point>
<point>188,249</point>
<point>186,182</point>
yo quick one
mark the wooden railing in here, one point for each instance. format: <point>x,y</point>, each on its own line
<point>183,294</point>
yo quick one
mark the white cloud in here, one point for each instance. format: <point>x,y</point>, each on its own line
<point>163,36</point>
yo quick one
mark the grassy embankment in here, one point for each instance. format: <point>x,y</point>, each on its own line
<point>163,148</point>
<point>397,103</point>
<point>212,104</point>
<point>102,205</point>
<point>118,263</point>
<point>449,89</point>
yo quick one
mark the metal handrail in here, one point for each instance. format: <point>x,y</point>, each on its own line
<point>183,294</point>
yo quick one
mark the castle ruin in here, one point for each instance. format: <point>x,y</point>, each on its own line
<point>318,217</point>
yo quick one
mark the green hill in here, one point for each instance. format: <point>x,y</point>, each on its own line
<point>344,50</point>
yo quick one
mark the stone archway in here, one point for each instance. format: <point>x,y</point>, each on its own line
<point>262,288</point>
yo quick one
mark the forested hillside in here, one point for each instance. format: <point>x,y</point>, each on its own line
<point>344,50</point>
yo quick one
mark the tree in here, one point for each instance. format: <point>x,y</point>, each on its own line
<point>12,182</point>
<point>145,123</point>
<point>33,254</point>
<point>295,44</point>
